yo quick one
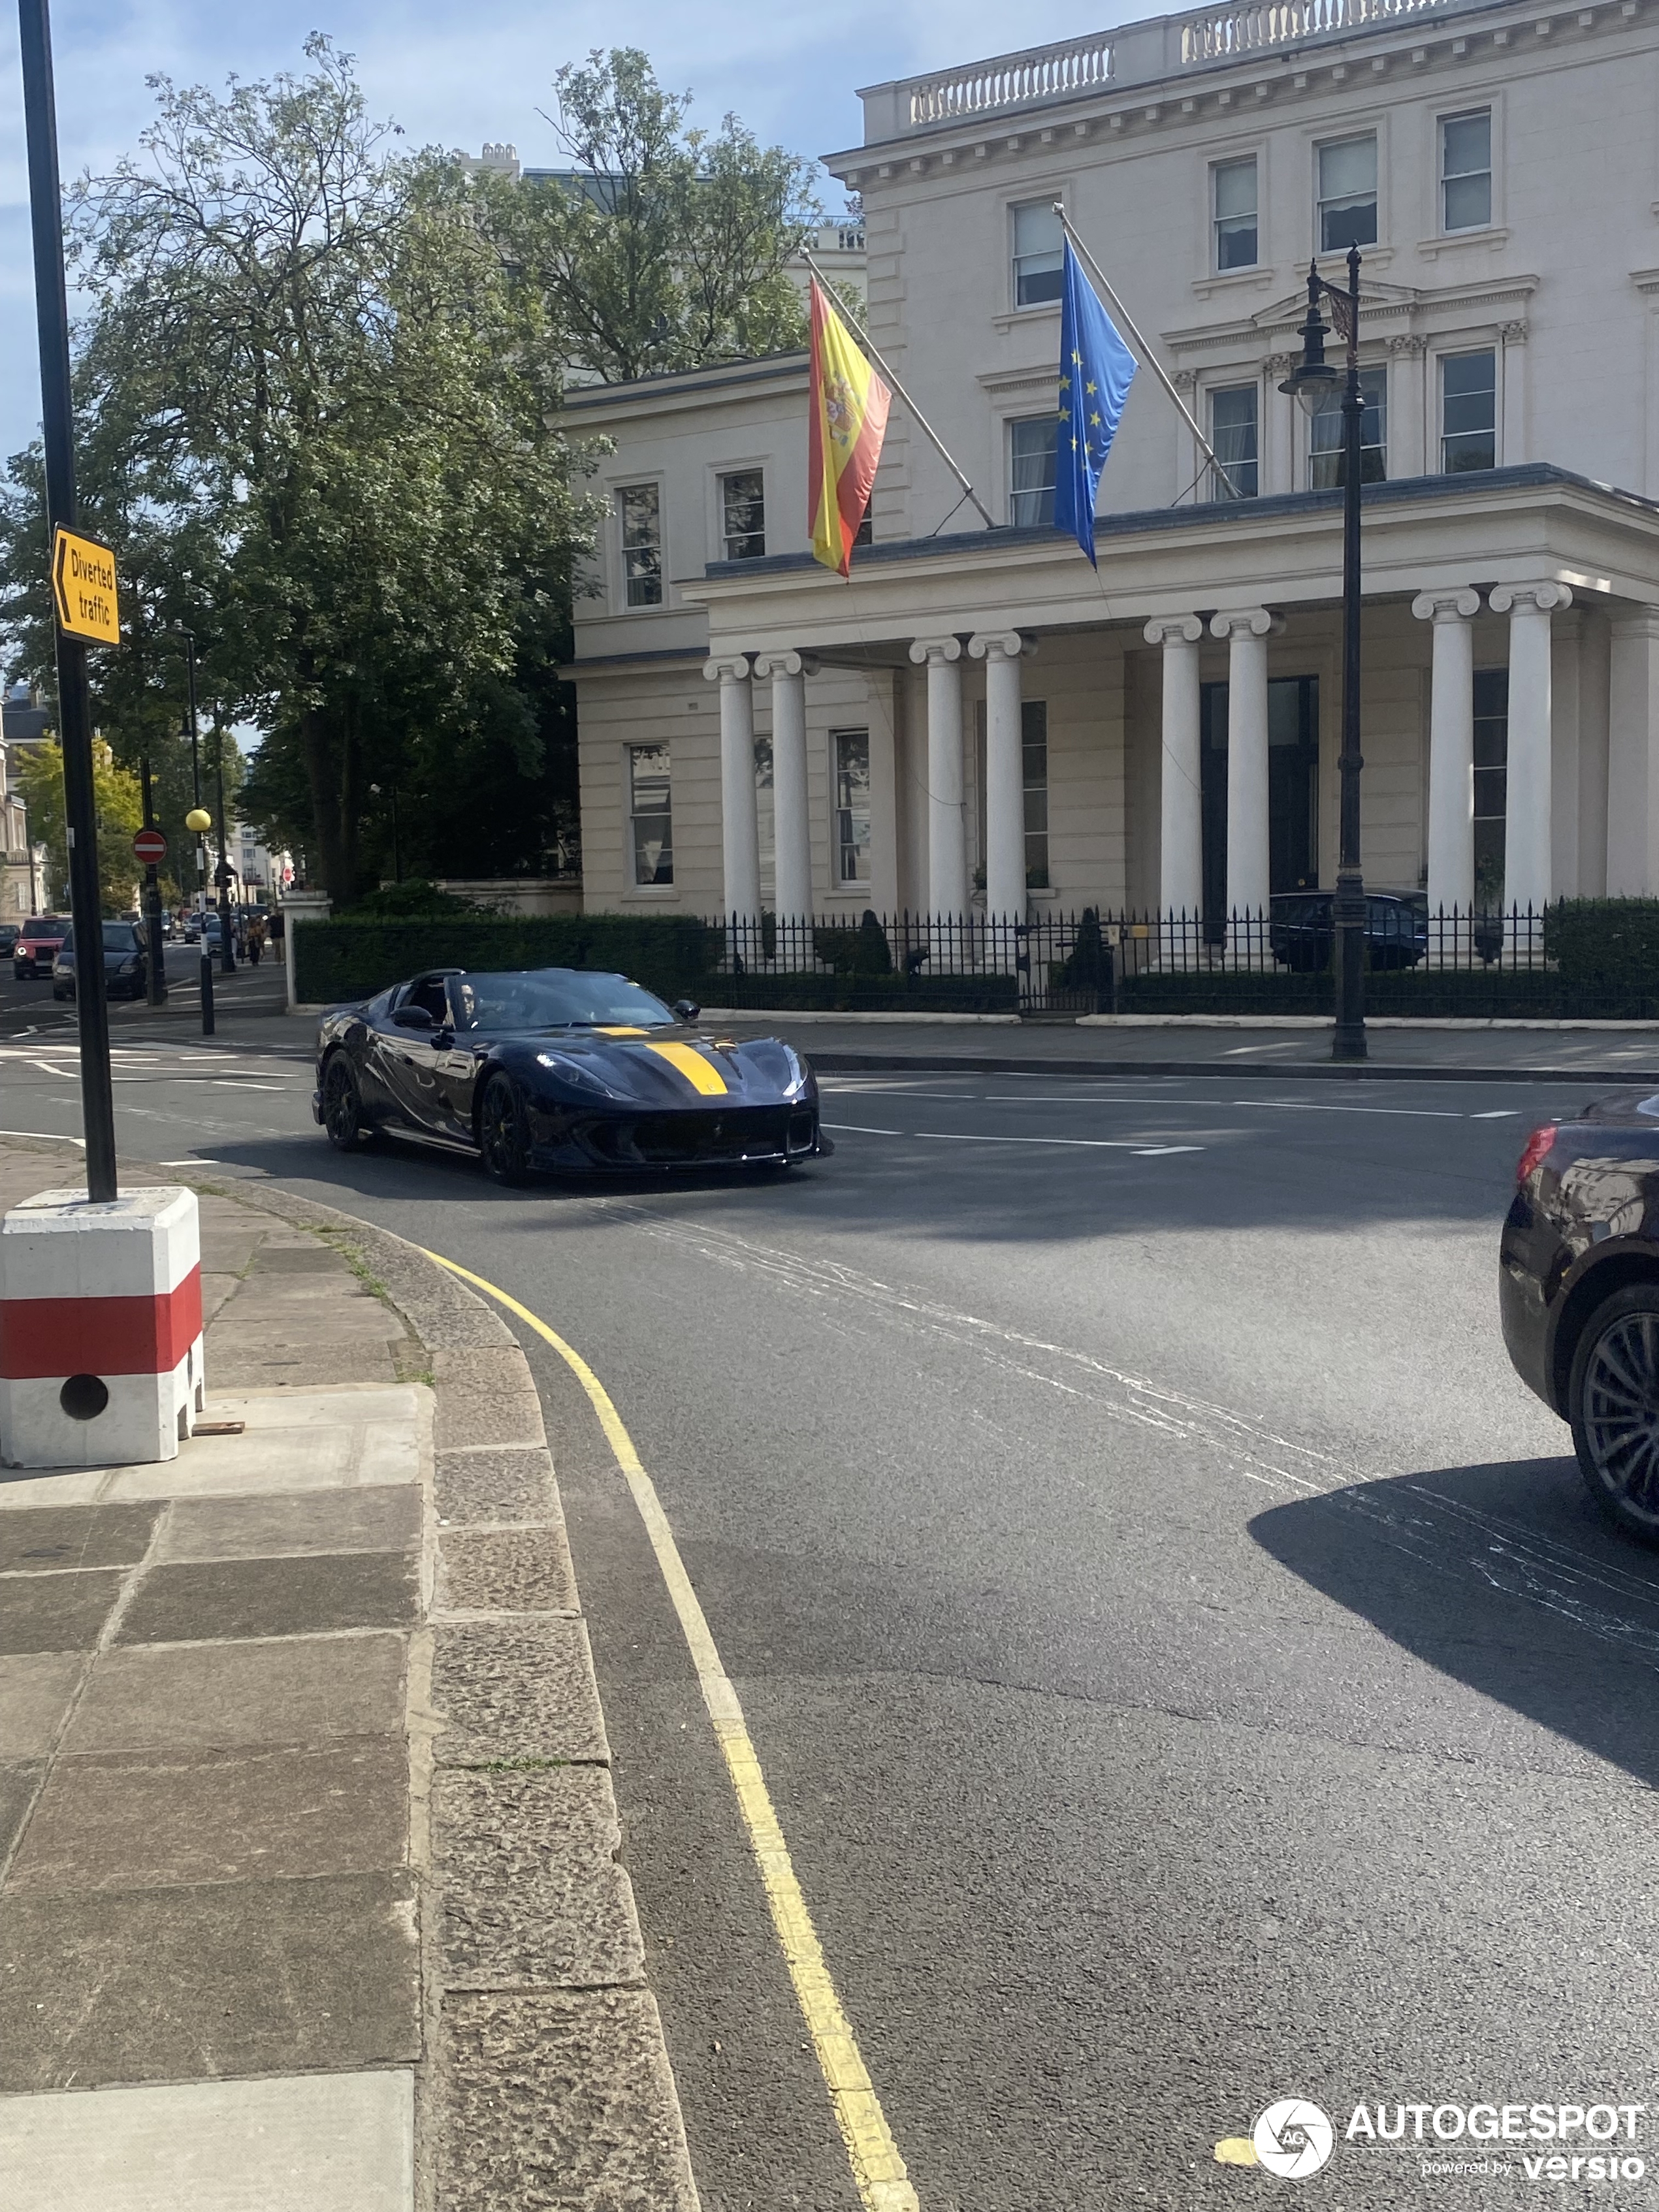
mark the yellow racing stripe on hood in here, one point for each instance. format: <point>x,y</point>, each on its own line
<point>699,1072</point>
<point>620,1032</point>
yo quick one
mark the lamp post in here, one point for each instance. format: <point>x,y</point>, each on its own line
<point>200,820</point>
<point>1314,383</point>
<point>221,874</point>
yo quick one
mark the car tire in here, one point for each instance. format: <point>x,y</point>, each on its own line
<point>1612,1402</point>
<point>344,1122</point>
<point>504,1131</point>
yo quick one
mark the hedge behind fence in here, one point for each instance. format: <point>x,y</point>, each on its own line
<point>347,959</point>
<point>1610,944</point>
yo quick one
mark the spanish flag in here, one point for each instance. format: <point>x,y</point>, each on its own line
<point>849,405</point>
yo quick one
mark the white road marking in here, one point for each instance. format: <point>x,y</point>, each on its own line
<point>1310,1106</point>
<point>1497,1113</point>
<point>53,1136</point>
<point>955,1137</point>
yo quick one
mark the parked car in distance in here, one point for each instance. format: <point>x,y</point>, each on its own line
<point>123,962</point>
<point>38,941</point>
<point>1302,934</point>
<point>10,933</point>
<point>1578,1294</point>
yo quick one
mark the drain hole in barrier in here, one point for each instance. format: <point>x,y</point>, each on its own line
<point>83,1397</point>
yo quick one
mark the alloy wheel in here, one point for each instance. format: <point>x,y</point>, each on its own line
<point>1618,1415</point>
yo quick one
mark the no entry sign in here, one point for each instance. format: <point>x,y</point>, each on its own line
<point>149,846</point>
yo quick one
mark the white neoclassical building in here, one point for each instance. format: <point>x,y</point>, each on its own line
<point>979,715</point>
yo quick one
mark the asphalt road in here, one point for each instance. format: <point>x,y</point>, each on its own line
<point>1186,1666</point>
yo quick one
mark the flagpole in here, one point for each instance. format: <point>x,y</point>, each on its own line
<point>922,423</point>
<point>1144,351</point>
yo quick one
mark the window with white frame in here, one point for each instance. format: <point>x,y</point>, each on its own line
<point>1039,255</point>
<point>742,515</point>
<point>1469,412</point>
<point>1327,435</point>
<point>1033,765</point>
<point>1233,187</point>
<point>851,751</point>
<point>1031,443</point>
<point>650,814</point>
<point>1347,193</point>
<point>639,516</point>
<point>1233,436</point>
<point>1466,171</point>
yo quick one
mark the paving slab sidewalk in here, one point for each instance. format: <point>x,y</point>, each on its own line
<point>310,1898</point>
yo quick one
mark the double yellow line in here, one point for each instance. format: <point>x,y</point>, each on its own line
<point>883,2183</point>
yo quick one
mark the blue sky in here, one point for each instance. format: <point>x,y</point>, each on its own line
<point>455,75</point>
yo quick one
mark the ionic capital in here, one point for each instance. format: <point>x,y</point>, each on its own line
<point>1246,622</point>
<point>1446,606</point>
<point>786,664</point>
<point>935,649</point>
<point>728,668</point>
<point>1531,599</point>
<point>1000,644</point>
<point>1173,629</point>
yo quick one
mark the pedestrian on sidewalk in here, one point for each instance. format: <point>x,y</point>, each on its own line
<point>255,940</point>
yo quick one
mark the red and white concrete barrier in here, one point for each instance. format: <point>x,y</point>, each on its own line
<point>101,1329</point>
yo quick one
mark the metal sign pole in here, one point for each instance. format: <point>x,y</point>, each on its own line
<point>74,701</point>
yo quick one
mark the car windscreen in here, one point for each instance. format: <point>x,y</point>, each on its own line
<point>551,998</point>
<point>118,937</point>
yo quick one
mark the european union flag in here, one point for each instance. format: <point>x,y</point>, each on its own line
<point>1095,369</point>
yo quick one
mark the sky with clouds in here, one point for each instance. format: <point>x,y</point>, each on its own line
<point>455,75</point>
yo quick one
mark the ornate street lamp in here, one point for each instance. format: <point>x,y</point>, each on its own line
<point>1314,383</point>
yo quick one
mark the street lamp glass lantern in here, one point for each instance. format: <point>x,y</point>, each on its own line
<point>1313,385</point>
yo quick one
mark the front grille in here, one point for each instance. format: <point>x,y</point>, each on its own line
<point>693,1139</point>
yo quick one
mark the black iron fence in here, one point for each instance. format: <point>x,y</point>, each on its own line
<point>1483,963</point>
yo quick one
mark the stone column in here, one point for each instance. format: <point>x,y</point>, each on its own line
<point>1248,877</point>
<point>739,829</point>
<point>947,826</point>
<point>1451,765</point>
<point>1181,810</point>
<point>792,827</point>
<point>1004,775</point>
<point>1633,732</point>
<point>298,907</point>
<point>1527,817</point>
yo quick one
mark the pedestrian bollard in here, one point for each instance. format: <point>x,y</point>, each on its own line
<point>207,990</point>
<point>101,1329</point>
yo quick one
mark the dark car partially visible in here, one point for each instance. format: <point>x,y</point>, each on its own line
<point>123,962</point>
<point>1301,931</point>
<point>1578,1294</point>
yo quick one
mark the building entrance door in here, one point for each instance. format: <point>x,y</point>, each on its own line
<point>1292,791</point>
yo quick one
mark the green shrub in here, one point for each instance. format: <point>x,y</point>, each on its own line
<point>1088,967</point>
<point>861,951</point>
<point>398,902</point>
<point>1609,945</point>
<point>349,958</point>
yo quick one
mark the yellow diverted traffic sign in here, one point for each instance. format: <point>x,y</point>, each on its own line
<point>83,585</point>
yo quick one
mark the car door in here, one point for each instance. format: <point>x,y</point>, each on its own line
<point>408,1060</point>
<point>456,1060</point>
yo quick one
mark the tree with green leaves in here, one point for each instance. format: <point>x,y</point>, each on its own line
<point>663,246</point>
<point>315,378</point>
<point>38,772</point>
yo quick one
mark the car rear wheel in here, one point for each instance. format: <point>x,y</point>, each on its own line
<point>1612,1401</point>
<point>504,1131</point>
<point>343,1120</point>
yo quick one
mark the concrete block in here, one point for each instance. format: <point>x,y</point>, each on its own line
<point>486,1397</point>
<point>525,1569</point>
<point>555,2101</point>
<point>533,1896</point>
<point>101,1329</point>
<point>143,1820</point>
<point>383,1519</point>
<point>75,1536</point>
<point>56,1612</point>
<point>298,1595</point>
<point>299,1689</point>
<point>35,1689</point>
<point>186,1985</point>
<point>311,2143</point>
<point>518,1689</point>
<point>513,1484</point>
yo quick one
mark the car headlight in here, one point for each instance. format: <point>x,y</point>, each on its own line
<point>580,1074</point>
<point>780,1064</point>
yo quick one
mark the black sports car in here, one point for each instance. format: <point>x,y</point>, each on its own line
<point>562,1069</point>
<point>1578,1294</point>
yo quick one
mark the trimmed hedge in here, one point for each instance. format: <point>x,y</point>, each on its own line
<point>1609,944</point>
<point>352,958</point>
<point>853,993</point>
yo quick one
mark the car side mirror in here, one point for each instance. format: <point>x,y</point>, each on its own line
<point>413,1018</point>
<point>687,1010</point>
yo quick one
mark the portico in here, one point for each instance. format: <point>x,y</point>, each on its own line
<point>1165,754</point>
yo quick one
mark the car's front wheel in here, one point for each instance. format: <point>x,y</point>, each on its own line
<point>1612,1402</point>
<point>504,1130</point>
<point>344,1121</point>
